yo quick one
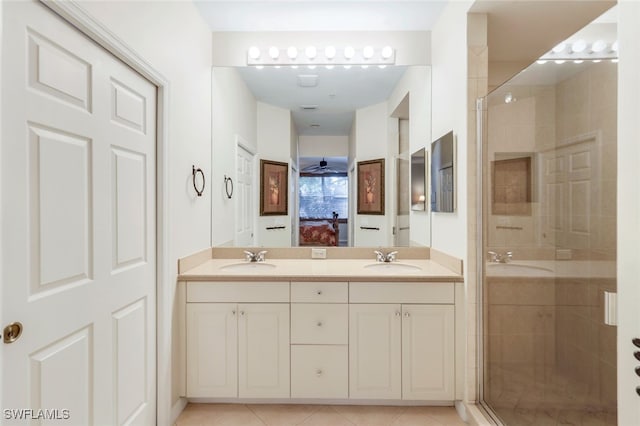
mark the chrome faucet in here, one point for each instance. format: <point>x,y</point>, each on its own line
<point>500,257</point>
<point>255,257</point>
<point>385,257</point>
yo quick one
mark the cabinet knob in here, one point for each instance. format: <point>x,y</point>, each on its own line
<point>319,323</point>
<point>319,292</point>
<point>407,314</point>
<point>318,372</point>
<point>397,313</point>
<point>242,313</point>
<point>233,312</point>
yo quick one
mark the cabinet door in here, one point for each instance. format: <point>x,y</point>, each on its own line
<point>428,352</point>
<point>212,350</point>
<point>374,351</point>
<point>263,350</point>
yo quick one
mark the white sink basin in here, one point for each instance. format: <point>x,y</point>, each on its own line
<point>391,268</point>
<point>514,268</point>
<point>248,267</point>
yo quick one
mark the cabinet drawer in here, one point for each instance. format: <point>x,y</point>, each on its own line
<point>320,292</point>
<point>398,292</point>
<point>240,291</point>
<point>319,371</point>
<point>319,323</point>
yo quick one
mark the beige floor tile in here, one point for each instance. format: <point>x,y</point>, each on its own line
<point>428,416</point>
<point>283,414</point>
<point>326,416</point>
<point>363,415</point>
<point>218,415</point>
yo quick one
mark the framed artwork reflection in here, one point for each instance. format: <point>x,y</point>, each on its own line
<point>274,177</point>
<point>371,187</point>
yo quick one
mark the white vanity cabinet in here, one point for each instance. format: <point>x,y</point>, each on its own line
<point>237,349</point>
<point>319,339</point>
<point>401,341</point>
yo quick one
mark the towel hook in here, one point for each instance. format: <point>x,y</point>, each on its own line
<point>227,181</point>
<point>194,172</point>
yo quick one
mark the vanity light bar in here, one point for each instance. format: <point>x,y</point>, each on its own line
<point>314,56</point>
<point>581,50</point>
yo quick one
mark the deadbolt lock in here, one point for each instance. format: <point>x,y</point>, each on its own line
<point>12,332</point>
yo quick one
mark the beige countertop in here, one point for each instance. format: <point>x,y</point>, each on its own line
<point>320,270</point>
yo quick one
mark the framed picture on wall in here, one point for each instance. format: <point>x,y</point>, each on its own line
<point>371,187</point>
<point>274,188</point>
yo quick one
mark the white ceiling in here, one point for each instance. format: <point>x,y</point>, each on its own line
<point>338,94</point>
<point>319,15</point>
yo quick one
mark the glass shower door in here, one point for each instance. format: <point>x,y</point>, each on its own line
<point>549,225</point>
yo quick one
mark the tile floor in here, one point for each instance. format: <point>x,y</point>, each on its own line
<point>316,415</point>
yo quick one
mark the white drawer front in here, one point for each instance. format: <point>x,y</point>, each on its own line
<point>319,371</point>
<point>320,292</point>
<point>240,291</point>
<point>390,292</point>
<point>319,323</point>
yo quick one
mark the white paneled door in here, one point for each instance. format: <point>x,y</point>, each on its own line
<point>78,227</point>
<point>244,197</point>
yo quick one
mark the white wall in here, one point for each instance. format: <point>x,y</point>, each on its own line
<point>323,146</point>
<point>234,114</point>
<point>449,97</point>
<point>152,32</point>
<point>416,82</point>
<point>371,142</point>
<point>230,48</point>
<point>628,209</point>
<point>274,143</point>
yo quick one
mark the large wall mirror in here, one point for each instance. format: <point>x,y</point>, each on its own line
<point>322,121</point>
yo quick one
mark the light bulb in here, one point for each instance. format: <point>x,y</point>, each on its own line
<point>274,52</point>
<point>614,46</point>
<point>541,62</point>
<point>598,46</point>
<point>560,61</point>
<point>254,52</point>
<point>311,52</point>
<point>349,52</point>
<point>578,61</point>
<point>387,51</point>
<point>559,48</point>
<point>292,52</point>
<point>578,46</point>
<point>330,52</point>
<point>367,52</point>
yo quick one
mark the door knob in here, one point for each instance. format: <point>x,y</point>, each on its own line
<point>12,332</point>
